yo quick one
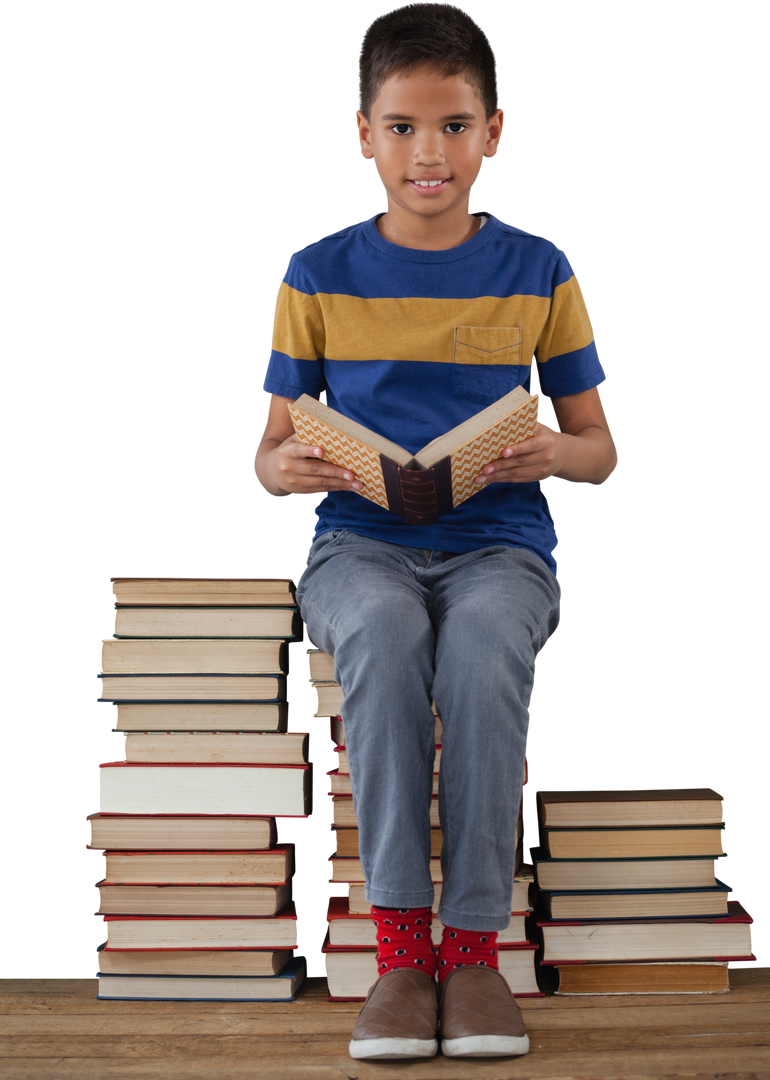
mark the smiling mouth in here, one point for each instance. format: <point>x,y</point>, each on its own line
<point>432,185</point>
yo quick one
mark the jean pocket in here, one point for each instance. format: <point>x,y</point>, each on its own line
<point>487,362</point>
<point>324,541</point>
<point>315,548</point>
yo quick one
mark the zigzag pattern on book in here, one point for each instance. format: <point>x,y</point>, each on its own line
<point>344,451</point>
<point>468,461</point>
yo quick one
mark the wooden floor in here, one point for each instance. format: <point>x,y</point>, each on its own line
<point>56,1028</point>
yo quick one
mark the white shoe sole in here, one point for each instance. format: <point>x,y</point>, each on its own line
<point>368,1049</point>
<point>485,1046</point>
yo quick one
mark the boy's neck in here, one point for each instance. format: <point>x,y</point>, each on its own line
<point>429,232</point>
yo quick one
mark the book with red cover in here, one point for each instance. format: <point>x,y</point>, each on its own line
<point>181,832</point>
<point>129,801</point>
<point>213,931</point>
<point>207,898</point>
<point>198,882</point>
<point>211,867</point>
<point>629,940</point>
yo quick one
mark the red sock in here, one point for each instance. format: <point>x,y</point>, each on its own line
<point>461,947</point>
<point>403,939</point>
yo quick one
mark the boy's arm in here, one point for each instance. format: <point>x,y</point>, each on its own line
<point>589,451</point>
<point>582,450</point>
<point>283,467</point>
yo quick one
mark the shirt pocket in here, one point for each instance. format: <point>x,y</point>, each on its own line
<point>487,362</point>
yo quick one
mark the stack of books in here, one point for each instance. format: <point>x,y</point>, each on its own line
<point>351,945</point>
<point>197,893</point>
<point>628,901</point>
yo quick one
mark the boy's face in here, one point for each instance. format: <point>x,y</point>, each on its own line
<point>428,134</point>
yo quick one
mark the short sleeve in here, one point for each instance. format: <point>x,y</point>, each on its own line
<point>567,361</point>
<point>299,340</point>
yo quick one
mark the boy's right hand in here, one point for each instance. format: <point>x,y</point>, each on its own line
<point>294,467</point>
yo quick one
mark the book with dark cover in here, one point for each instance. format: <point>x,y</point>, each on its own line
<point>283,986</point>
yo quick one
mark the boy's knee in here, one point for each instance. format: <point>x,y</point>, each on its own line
<point>383,624</point>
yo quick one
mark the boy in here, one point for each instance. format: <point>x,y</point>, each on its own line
<point>412,322</point>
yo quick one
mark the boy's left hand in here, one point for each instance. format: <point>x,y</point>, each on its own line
<point>525,462</point>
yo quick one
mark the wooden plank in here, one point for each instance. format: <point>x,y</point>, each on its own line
<point>439,1069</point>
<point>55,1028</point>
<point>693,1018</point>
<point>76,996</point>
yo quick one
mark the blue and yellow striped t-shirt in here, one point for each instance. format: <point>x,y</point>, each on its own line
<point>412,343</point>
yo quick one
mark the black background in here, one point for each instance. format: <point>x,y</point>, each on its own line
<point>205,171</point>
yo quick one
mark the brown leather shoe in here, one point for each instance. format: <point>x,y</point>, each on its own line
<point>479,1017</point>
<point>399,1018</point>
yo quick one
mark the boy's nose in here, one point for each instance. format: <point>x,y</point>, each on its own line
<point>429,153</point>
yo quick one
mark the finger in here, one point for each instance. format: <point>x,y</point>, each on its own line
<point>495,470</point>
<point>521,470</point>
<point>496,465</point>
<point>301,450</point>
<point>339,472</point>
<point>305,472</point>
<point>526,446</point>
<point>337,480</point>
<point>346,476</point>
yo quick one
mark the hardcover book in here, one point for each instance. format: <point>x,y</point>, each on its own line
<point>200,590</point>
<point>280,987</point>
<point>630,808</point>
<point>422,487</point>
<point>726,937</point>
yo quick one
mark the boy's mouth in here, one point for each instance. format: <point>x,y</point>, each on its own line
<point>430,185</point>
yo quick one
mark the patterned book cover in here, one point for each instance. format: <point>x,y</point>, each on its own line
<point>468,460</point>
<point>343,450</point>
<point>421,502</point>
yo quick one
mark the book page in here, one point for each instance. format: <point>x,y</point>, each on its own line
<point>478,424</point>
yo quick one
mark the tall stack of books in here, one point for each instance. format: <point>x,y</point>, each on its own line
<point>628,900</point>
<point>197,893</point>
<point>351,945</point>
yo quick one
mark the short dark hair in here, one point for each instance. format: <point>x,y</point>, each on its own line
<point>438,36</point>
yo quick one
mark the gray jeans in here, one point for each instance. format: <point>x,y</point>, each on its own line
<point>406,625</point>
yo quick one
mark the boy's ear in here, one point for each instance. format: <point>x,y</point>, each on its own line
<point>363,130</point>
<point>496,131</point>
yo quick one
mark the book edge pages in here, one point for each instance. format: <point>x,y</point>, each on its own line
<point>468,460</point>
<point>475,425</point>
<point>355,431</point>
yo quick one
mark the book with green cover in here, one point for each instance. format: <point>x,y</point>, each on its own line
<point>422,487</point>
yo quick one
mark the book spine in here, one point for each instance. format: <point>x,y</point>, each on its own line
<point>411,492</point>
<point>442,471</point>
<point>419,496</point>
<point>392,481</point>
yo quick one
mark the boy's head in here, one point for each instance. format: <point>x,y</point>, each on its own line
<point>438,35</point>
<point>428,117</point>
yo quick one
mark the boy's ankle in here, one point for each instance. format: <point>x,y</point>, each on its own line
<point>404,939</point>
<point>466,948</point>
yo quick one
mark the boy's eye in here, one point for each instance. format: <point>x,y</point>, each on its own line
<point>402,129</point>
<point>455,127</point>
<point>453,124</point>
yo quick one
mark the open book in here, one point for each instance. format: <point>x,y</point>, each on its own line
<point>422,487</point>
